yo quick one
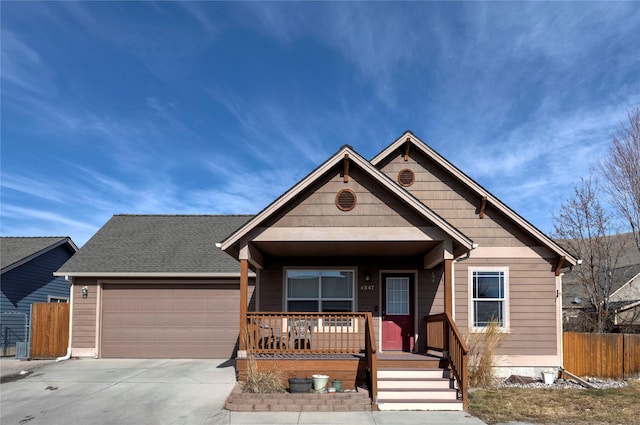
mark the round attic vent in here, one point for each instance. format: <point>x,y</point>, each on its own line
<point>346,200</point>
<point>406,177</point>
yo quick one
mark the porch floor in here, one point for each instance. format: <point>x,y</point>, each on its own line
<point>309,356</point>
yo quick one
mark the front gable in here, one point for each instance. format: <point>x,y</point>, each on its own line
<point>377,210</point>
<point>461,201</point>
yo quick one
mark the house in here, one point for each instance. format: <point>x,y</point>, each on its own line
<point>624,299</point>
<point>27,277</point>
<point>359,269</point>
<point>626,303</point>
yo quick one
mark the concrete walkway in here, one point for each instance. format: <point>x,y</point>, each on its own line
<point>146,392</point>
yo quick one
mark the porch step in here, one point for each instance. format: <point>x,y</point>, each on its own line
<point>417,389</point>
<point>402,383</point>
<point>410,373</point>
<point>412,404</point>
<point>417,394</point>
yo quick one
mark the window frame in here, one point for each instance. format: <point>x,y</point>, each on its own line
<point>325,327</point>
<point>505,297</point>
<point>59,299</point>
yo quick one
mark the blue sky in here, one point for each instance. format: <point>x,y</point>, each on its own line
<point>217,108</point>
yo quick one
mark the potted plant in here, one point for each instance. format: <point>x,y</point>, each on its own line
<point>300,385</point>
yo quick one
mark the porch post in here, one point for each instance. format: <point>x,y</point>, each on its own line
<point>244,296</point>
<point>448,287</point>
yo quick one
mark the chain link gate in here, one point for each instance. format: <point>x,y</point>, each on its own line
<point>14,334</point>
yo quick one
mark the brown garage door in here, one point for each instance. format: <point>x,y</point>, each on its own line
<point>169,320</point>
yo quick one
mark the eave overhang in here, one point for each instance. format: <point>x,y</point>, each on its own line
<point>155,275</point>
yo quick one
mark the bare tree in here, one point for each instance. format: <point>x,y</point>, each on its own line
<point>621,170</point>
<point>584,227</point>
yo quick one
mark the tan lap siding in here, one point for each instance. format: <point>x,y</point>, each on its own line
<point>375,207</point>
<point>457,204</point>
<point>532,304</point>
<point>84,314</point>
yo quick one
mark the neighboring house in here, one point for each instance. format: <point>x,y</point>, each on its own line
<point>27,277</point>
<point>359,259</point>
<point>624,301</point>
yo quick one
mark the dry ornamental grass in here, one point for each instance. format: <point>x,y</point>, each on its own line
<point>558,406</point>
<point>262,381</point>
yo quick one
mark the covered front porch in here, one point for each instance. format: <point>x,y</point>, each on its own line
<point>343,346</point>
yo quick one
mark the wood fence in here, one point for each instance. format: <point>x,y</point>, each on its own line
<point>602,355</point>
<point>49,330</point>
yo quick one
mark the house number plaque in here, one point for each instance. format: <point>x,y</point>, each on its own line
<point>366,287</point>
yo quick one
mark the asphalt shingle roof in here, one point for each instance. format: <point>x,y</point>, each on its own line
<point>158,244</point>
<point>16,249</point>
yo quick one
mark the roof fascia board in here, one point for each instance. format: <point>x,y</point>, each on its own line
<point>25,260</point>
<point>151,274</point>
<point>482,192</point>
<point>625,284</point>
<point>282,200</point>
<point>374,172</point>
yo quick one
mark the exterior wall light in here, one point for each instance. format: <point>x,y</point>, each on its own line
<point>85,291</point>
<point>367,277</point>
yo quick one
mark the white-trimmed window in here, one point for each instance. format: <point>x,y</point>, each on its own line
<point>489,296</point>
<point>320,290</point>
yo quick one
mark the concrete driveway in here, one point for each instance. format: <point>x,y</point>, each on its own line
<point>118,391</point>
<point>157,392</point>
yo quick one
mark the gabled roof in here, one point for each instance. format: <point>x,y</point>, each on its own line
<point>15,251</point>
<point>475,187</point>
<point>157,246</point>
<point>372,172</point>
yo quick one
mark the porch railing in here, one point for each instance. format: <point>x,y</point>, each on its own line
<point>306,333</point>
<point>371,351</point>
<point>443,335</point>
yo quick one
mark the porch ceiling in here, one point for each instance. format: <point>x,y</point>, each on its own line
<point>345,248</point>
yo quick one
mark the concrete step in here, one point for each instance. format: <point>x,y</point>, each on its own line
<point>410,404</point>
<point>417,394</point>
<point>413,373</point>
<point>435,383</point>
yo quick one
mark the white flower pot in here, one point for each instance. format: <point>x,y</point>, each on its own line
<point>320,382</point>
<point>548,377</point>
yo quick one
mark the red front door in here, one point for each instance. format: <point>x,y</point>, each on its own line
<point>397,313</point>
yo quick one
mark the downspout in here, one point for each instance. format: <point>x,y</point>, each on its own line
<point>68,355</point>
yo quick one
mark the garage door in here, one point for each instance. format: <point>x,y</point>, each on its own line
<point>169,320</point>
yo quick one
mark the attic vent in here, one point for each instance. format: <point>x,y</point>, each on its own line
<point>406,177</point>
<point>346,200</point>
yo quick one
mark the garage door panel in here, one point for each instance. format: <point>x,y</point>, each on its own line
<point>169,320</point>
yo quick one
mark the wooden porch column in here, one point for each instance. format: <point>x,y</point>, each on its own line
<point>448,287</point>
<point>244,297</point>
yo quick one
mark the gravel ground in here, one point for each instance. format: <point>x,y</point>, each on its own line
<point>566,384</point>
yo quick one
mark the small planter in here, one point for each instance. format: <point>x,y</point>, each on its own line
<point>337,385</point>
<point>300,385</point>
<point>320,382</point>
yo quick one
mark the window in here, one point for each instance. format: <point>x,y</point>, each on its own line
<point>488,296</point>
<point>397,296</point>
<point>320,290</point>
<point>54,299</point>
